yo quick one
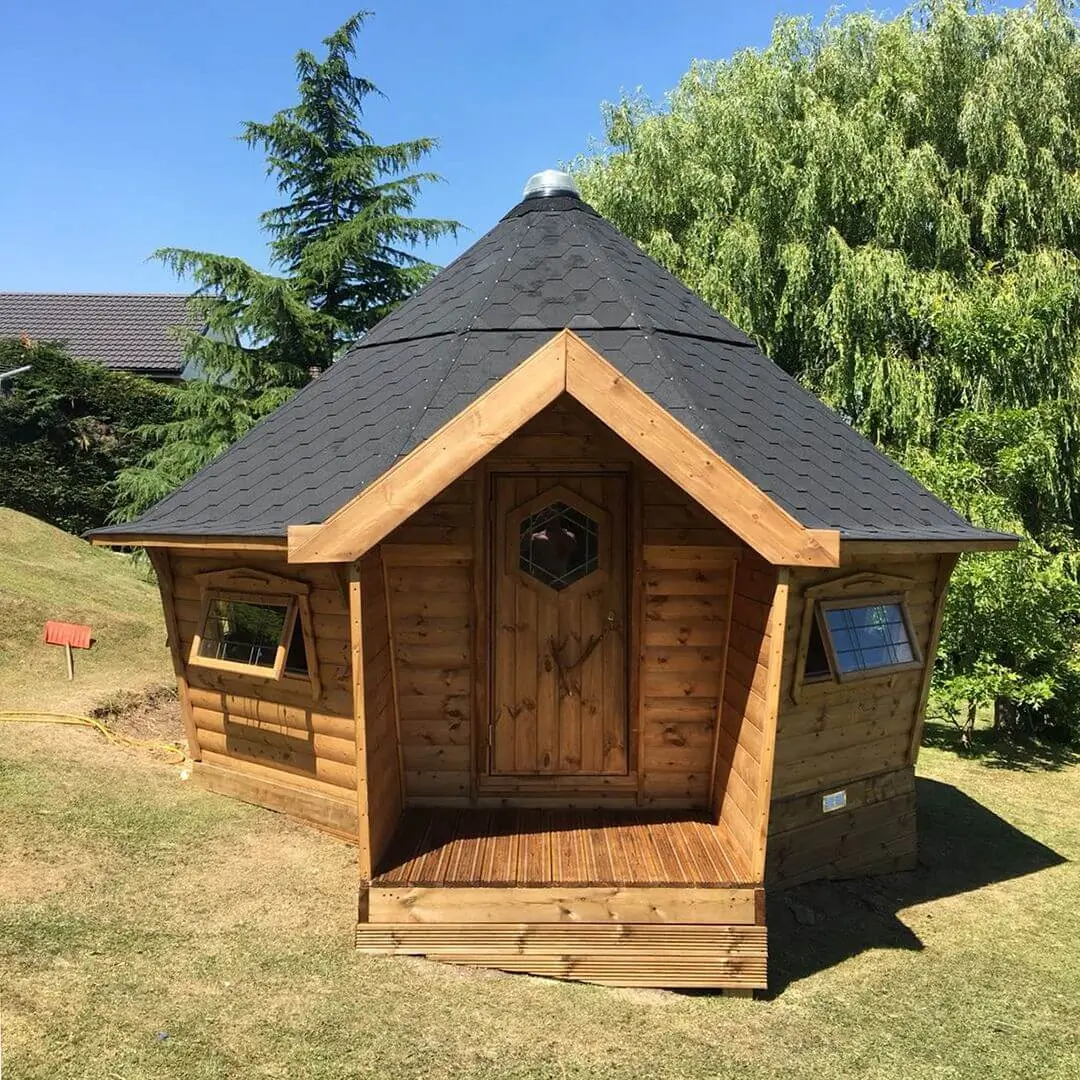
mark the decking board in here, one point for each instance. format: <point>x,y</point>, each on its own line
<point>539,847</point>
<point>618,954</point>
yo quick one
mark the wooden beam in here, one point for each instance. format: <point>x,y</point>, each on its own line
<point>635,638</point>
<point>855,549</point>
<point>778,616</point>
<point>356,626</point>
<point>391,643</point>
<point>437,462</point>
<point>946,565</point>
<point>713,803</point>
<point>159,559</point>
<point>193,543</point>
<point>733,958</point>
<point>696,468</point>
<point>562,904</point>
<point>480,642</point>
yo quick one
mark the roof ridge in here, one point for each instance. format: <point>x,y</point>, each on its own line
<point>486,301</point>
<point>460,340</point>
<point>645,326</point>
<point>100,295</point>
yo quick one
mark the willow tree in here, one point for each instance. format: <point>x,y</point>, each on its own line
<point>342,253</point>
<point>892,209</point>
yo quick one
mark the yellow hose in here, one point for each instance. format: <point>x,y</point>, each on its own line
<point>86,721</point>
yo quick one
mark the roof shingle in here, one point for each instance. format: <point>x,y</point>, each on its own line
<point>124,331</point>
<point>551,263</point>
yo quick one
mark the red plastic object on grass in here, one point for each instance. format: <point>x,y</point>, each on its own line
<point>66,633</point>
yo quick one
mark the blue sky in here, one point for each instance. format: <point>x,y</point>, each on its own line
<point>119,117</point>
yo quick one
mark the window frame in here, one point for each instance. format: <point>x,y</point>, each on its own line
<point>246,586</point>
<point>898,600</point>
<point>512,540</point>
<point>860,589</point>
<point>274,671</point>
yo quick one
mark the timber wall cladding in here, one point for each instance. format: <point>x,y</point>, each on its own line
<point>430,593</point>
<point>874,834</point>
<point>856,737</point>
<point>842,731</point>
<point>687,602</point>
<point>743,744</point>
<point>272,732</point>
<point>432,607</point>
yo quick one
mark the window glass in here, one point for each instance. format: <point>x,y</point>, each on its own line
<point>242,632</point>
<point>558,545</point>
<point>869,636</point>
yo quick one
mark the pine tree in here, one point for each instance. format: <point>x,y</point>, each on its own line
<point>341,252</point>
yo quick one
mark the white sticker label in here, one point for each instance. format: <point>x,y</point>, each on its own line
<point>837,800</point>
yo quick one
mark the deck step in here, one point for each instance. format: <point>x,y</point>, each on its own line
<point>617,954</point>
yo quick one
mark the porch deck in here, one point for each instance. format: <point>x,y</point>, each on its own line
<point>572,848</point>
<point>631,898</point>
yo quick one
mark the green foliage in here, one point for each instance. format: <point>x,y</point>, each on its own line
<point>66,428</point>
<point>1012,623</point>
<point>341,252</point>
<point>892,208</point>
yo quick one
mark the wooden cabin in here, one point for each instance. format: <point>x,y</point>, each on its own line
<point>574,613</point>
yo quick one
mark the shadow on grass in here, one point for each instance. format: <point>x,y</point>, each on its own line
<point>962,846</point>
<point>989,749</point>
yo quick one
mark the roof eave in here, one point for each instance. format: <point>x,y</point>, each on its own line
<point>194,541</point>
<point>565,364</point>
<point>931,546</point>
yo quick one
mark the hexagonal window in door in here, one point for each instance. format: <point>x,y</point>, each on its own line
<point>558,545</point>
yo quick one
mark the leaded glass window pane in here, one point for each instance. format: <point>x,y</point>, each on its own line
<point>558,545</point>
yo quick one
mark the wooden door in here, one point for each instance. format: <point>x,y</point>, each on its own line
<point>559,626</point>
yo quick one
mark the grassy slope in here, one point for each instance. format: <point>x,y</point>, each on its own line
<point>150,929</point>
<point>49,574</point>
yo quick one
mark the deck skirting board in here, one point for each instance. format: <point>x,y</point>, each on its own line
<point>562,904</point>
<point>615,954</point>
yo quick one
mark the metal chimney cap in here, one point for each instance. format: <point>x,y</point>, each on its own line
<point>541,185</point>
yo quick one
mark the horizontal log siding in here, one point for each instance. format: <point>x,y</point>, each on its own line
<point>670,516</point>
<point>564,432</point>
<point>855,737</point>
<point>685,618</point>
<point>431,613</point>
<point>272,732</point>
<point>874,833</point>
<point>840,732</point>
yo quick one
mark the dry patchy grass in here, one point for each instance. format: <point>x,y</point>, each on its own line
<point>155,930</point>
<point>48,574</point>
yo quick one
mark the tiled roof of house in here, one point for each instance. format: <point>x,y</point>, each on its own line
<point>125,331</point>
<point>551,263</point>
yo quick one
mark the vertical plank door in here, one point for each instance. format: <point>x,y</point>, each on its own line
<point>559,626</point>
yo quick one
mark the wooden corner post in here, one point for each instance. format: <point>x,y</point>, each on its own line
<point>356,637</point>
<point>159,559</point>
<point>778,616</point>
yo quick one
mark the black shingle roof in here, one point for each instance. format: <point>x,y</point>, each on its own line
<point>124,331</point>
<point>551,263</point>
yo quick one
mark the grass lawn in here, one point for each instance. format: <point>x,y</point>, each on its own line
<point>150,929</point>
<point>49,574</point>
